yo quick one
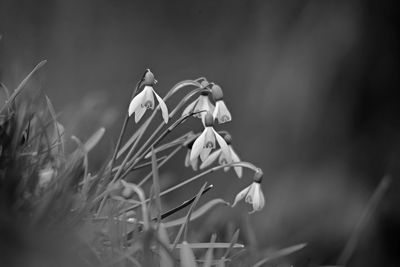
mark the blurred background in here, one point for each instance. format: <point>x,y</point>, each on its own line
<point>311,86</point>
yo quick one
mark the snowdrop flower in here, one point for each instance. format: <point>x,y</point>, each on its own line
<point>193,163</point>
<point>145,99</point>
<point>224,159</point>
<point>253,194</point>
<point>206,141</point>
<point>221,112</point>
<point>202,103</point>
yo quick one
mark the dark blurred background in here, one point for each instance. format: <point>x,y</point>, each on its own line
<point>311,86</point>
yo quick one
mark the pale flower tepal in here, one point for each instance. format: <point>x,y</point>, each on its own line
<point>188,162</point>
<point>200,106</point>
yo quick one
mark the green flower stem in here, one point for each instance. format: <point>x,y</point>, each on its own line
<point>173,153</point>
<point>121,134</point>
<point>143,128</point>
<point>142,165</point>
<point>143,201</point>
<point>135,159</point>
<point>243,164</point>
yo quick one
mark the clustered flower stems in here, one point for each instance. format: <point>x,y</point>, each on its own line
<point>208,112</point>
<point>196,177</point>
<point>125,123</point>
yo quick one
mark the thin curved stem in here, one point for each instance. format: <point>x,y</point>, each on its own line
<point>194,178</point>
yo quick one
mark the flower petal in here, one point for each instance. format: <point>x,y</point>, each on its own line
<point>136,102</point>
<point>205,153</point>
<point>139,113</point>
<point>241,195</point>
<point>198,146</point>
<point>224,147</point>
<point>148,101</point>
<point>235,158</point>
<point>203,104</point>
<point>223,159</point>
<point>200,107</point>
<point>209,142</point>
<point>216,109</point>
<point>250,195</point>
<point>189,109</point>
<point>164,109</point>
<point>258,198</point>
<point>223,114</point>
<point>194,163</point>
<point>210,159</point>
<point>187,158</point>
<point>210,105</point>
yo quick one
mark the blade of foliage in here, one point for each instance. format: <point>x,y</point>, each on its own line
<point>94,139</point>
<point>156,184</point>
<point>21,86</point>
<point>197,213</point>
<point>211,245</point>
<point>234,240</point>
<point>376,198</point>
<point>54,116</point>
<point>184,226</point>
<point>280,253</point>
<point>208,258</point>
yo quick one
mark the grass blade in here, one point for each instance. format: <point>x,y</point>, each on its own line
<point>156,184</point>
<point>212,245</point>
<point>280,253</point>
<point>208,258</point>
<point>197,213</point>
<point>184,226</point>
<point>21,86</point>
<point>234,240</point>
<point>94,139</point>
<point>369,209</point>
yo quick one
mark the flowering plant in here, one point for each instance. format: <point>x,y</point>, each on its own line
<point>117,222</point>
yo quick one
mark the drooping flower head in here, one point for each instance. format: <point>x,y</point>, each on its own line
<point>224,159</point>
<point>253,193</point>
<point>221,112</point>
<point>205,143</point>
<point>200,106</point>
<point>145,99</point>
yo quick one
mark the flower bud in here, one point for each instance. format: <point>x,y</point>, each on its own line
<point>148,78</point>
<point>208,120</point>
<point>217,92</point>
<point>228,139</point>
<point>258,175</point>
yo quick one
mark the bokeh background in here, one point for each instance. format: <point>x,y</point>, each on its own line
<point>311,86</point>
